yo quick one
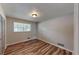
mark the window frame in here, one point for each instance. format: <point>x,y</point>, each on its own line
<point>23,26</point>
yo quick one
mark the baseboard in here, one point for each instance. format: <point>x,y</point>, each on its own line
<point>57,45</point>
<point>18,42</point>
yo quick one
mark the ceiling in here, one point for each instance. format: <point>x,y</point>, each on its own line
<point>46,10</point>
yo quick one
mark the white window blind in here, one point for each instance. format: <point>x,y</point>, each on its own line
<point>21,27</point>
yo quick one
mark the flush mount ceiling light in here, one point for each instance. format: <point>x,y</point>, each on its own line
<point>35,13</point>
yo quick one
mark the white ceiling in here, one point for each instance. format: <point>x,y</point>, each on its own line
<point>47,10</point>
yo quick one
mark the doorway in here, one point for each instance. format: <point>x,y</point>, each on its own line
<point>2,35</point>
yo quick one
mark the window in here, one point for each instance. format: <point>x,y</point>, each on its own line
<point>21,27</point>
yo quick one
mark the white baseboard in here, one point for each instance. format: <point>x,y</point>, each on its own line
<point>18,42</point>
<point>56,45</point>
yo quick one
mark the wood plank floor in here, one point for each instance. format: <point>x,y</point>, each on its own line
<point>35,47</point>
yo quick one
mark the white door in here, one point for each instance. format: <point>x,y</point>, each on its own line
<point>2,37</point>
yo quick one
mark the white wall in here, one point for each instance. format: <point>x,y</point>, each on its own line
<point>58,30</point>
<point>2,13</point>
<point>15,37</point>
<point>76,28</point>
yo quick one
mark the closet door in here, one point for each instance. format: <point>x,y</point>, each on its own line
<point>2,37</point>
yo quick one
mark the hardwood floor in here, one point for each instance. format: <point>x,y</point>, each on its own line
<point>35,47</point>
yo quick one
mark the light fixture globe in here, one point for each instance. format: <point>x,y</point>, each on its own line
<point>34,15</point>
